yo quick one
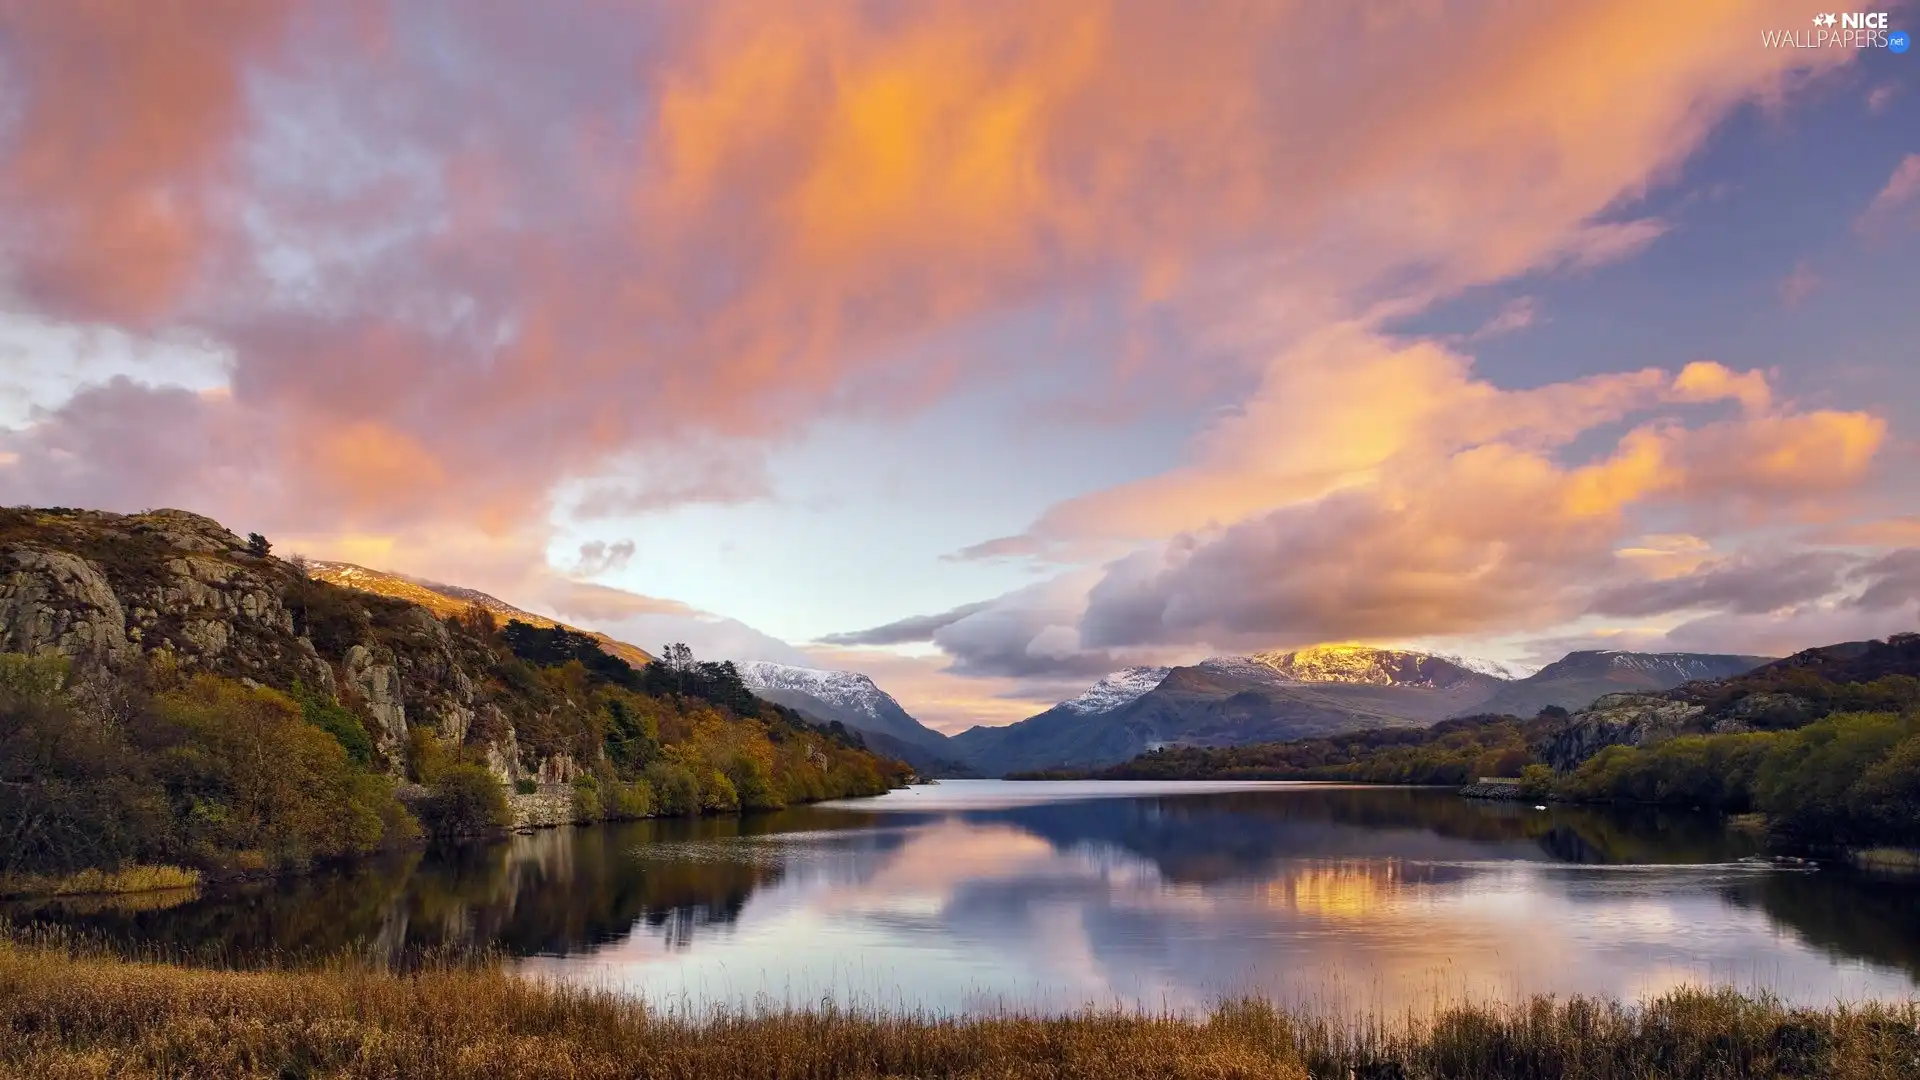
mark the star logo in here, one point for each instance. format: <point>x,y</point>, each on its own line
<point>1824,20</point>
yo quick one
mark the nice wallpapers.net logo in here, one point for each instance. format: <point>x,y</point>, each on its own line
<point>1843,30</point>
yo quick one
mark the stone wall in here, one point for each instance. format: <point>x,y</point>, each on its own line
<point>545,808</point>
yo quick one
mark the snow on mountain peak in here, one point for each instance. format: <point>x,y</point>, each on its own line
<point>1364,664</point>
<point>1116,689</point>
<point>846,689</point>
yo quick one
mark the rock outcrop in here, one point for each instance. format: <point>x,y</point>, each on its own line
<point>106,589</point>
<point>1619,720</point>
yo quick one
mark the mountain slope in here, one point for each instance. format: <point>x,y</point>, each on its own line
<point>445,600</point>
<point>1230,700</point>
<point>854,700</point>
<point>1577,679</point>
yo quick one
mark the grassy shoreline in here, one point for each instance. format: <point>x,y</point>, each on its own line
<point>132,879</point>
<point>76,1011</point>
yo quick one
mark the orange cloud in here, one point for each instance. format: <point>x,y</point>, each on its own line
<point>564,246</point>
<point>128,115</point>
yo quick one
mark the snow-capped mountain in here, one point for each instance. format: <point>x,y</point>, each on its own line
<point>1574,680</point>
<point>854,700</point>
<point>847,690</point>
<point>1496,668</point>
<point>1116,689</point>
<point>1368,666</point>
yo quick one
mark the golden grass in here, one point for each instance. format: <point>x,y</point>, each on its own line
<point>133,879</point>
<point>1887,858</point>
<point>68,1011</point>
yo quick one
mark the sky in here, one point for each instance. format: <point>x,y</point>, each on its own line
<point>986,347</point>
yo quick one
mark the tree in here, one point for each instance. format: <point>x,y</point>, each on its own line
<point>466,801</point>
<point>257,545</point>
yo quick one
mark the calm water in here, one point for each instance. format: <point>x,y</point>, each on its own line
<point>984,894</point>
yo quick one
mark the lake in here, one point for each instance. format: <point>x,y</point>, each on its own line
<point>983,895</point>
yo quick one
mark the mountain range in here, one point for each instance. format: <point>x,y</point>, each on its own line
<point>1221,701</point>
<point>1328,690</point>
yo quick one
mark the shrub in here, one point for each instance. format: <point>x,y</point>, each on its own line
<point>586,799</point>
<point>466,800</point>
<point>1536,781</point>
<point>523,786</point>
<point>676,792</point>
<point>634,800</point>
<point>336,720</point>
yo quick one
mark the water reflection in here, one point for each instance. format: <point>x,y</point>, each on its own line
<point>980,893</point>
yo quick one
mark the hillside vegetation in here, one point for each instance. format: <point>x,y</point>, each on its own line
<point>174,696</point>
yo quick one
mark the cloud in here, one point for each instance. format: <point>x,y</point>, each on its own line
<point>447,297</point>
<point>940,698</point>
<point>1747,584</point>
<point>1901,531</point>
<point>603,265</point>
<point>1893,208</point>
<point>598,557</point>
<point>1515,315</point>
<point>591,603</point>
<point>1797,286</point>
<point>1881,96</point>
<point>914,629</point>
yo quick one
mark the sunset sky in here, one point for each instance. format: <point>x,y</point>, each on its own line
<point>987,346</point>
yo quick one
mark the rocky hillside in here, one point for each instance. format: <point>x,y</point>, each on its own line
<point>451,600</point>
<point>1782,694</point>
<point>108,589</point>
<point>1578,679</point>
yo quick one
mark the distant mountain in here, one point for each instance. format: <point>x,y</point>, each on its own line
<point>445,600</point>
<point>1117,689</point>
<point>854,700</point>
<point>1230,700</point>
<point>1575,680</point>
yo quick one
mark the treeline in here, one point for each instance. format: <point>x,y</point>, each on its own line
<point>1450,752</point>
<point>1849,780</point>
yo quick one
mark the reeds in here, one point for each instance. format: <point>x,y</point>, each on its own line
<point>74,1011</point>
<point>133,879</point>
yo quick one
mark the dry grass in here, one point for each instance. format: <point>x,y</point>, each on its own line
<point>1905,860</point>
<point>68,1011</point>
<point>133,879</point>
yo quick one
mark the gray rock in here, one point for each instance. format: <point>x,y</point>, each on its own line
<point>1618,720</point>
<point>54,602</point>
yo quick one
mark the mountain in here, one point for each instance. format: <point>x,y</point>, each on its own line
<point>854,700</point>
<point>445,600</point>
<point>1576,680</point>
<point>1230,700</point>
<point>1852,676</point>
<point>1116,689</point>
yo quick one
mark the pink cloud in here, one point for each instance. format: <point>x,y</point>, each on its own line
<point>1892,208</point>
<point>539,257</point>
<point>1797,286</point>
